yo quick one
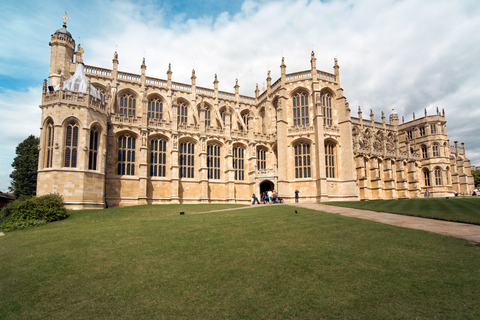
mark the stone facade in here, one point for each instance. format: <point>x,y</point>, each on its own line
<point>110,138</point>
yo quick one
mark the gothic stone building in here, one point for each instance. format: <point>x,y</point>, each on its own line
<point>110,138</point>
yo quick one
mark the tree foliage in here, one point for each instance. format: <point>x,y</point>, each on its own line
<point>476,177</point>
<point>25,165</point>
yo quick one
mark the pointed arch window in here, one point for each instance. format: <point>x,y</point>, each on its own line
<point>126,156</point>
<point>438,176</point>
<point>71,145</point>
<point>435,151</point>
<point>300,109</point>
<point>155,109</point>
<point>207,117</point>
<point>245,119</point>
<point>302,160</point>
<point>424,152</point>
<point>330,160</point>
<point>128,105</point>
<point>326,100</point>
<point>187,160</point>
<point>158,157</point>
<point>182,113</point>
<point>93,148</point>
<point>261,159</point>
<point>49,141</point>
<point>426,177</point>
<point>213,161</point>
<point>239,163</point>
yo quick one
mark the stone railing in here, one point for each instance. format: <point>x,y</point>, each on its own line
<point>226,95</point>
<point>125,120</point>
<point>188,128</point>
<point>205,91</point>
<point>156,82</point>
<point>247,99</point>
<point>77,98</point>
<point>299,75</point>
<point>330,129</point>
<point>163,124</point>
<point>300,129</point>
<point>181,86</point>
<point>239,134</point>
<point>326,76</point>
<point>128,76</point>
<point>265,137</point>
<point>276,84</point>
<point>98,71</point>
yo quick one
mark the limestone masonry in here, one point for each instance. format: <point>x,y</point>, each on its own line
<point>110,138</point>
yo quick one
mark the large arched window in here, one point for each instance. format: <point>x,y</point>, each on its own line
<point>93,148</point>
<point>300,109</point>
<point>326,100</point>
<point>330,160</point>
<point>239,163</point>
<point>126,155</point>
<point>49,140</point>
<point>187,160</point>
<point>438,176</point>
<point>158,157</point>
<point>71,145</point>
<point>426,177</point>
<point>128,105</point>
<point>182,113</point>
<point>213,161</point>
<point>302,160</point>
<point>155,109</point>
<point>261,159</point>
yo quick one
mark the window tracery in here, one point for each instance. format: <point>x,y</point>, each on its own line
<point>71,145</point>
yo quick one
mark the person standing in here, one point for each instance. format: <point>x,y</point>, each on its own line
<point>269,194</point>
<point>296,195</point>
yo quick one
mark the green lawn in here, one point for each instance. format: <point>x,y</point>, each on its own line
<point>265,262</point>
<point>459,209</point>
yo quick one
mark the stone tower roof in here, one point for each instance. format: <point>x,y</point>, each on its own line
<point>63,30</point>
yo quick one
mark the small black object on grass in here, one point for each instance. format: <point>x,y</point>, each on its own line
<point>182,213</point>
<point>296,212</point>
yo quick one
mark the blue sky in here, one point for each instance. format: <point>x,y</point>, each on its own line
<point>414,54</point>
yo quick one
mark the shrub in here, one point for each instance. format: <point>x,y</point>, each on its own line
<point>27,212</point>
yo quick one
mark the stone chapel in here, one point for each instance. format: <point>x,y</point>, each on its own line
<point>111,138</point>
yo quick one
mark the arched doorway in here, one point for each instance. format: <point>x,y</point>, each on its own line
<point>266,185</point>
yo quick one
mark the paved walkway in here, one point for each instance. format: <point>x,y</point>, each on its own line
<point>465,231</point>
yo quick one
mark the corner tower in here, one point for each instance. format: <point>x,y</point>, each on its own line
<point>61,54</point>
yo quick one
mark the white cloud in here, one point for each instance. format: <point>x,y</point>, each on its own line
<point>20,118</point>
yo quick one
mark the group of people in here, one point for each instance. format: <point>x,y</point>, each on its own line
<point>270,197</point>
<point>267,197</point>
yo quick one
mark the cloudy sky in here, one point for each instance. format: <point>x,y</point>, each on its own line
<point>412,54</point>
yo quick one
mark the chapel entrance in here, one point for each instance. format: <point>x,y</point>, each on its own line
<point>266,185</point>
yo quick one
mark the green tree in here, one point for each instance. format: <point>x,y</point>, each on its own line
<point>476,177</point>
<point>25,165</point>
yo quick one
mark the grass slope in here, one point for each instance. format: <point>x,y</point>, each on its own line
<point>460,209</point>
<point>259,263</point>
